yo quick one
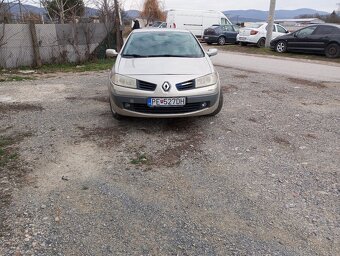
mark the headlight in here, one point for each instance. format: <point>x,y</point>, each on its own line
<point>124,81</point>
<point>207,80</point>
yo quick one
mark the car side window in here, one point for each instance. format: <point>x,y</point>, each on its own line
<point>236,28</point>
<point>229,28</point>
<point>274,28</point>
<point>224,21</point>
<point>280,29</point>
<point>325,30</point>
<point>305,32</point>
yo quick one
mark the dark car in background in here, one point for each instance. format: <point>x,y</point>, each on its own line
<point>322,39</point>
<point>221,34</point>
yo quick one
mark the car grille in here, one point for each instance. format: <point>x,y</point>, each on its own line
<point>186,85</point>
<point>146,86</point>
<point>189,107</point>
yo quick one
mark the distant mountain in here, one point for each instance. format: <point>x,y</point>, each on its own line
<point>132,14</point>
<point>258,15</point>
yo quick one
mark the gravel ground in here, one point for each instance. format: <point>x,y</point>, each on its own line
<point>261,178</point>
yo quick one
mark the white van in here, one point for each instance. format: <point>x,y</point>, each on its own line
<point>195,21</point>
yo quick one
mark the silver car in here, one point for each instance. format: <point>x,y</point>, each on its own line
<point>163,73</point>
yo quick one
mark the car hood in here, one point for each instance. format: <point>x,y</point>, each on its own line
<point>163,66</point>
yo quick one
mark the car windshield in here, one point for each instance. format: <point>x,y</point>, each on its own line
<point>254,25</point>
<point>162,44</point>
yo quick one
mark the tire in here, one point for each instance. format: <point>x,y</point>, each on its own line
<point>221,40</point>
<point>115,115</point>
<point>332,50</point>
<point>243,44</point>
<point>261,43</point>
<point>281,47</point>
<point>220,105</point>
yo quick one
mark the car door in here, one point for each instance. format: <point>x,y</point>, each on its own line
<point>301,40</point>
<point>321,37</point>
<point>230,34</point>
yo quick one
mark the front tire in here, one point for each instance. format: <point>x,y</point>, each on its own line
<point>261,43</point>
<point>332,50</point>
<point>281,47</point>
<point>220,105</point>
<point>221,40</point>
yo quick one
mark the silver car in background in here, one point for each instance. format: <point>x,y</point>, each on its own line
<point>163,73</point>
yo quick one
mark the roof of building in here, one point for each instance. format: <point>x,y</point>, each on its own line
<point>300,20</point>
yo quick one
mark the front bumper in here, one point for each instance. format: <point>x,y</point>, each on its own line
<point>131,104</point>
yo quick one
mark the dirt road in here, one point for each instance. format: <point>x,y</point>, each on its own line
<point>261,178</point>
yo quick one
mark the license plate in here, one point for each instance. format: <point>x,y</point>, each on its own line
<point>206,37</point>
<point>166,102</point>
<point>242,38</point>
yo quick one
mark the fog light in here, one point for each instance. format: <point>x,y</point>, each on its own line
<point>204,104</point>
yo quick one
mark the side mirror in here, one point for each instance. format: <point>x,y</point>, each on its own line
<point>287,32</point>
<point>111,53</point>
<point>212,52</point>
<point>295,35</point>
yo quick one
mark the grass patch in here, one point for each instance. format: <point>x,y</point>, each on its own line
<point>15,75</point>
<point>252,49</point>
<point>98,65</point>
<point>6,152</point>
<point>13,78</point>
<point>140,159</point>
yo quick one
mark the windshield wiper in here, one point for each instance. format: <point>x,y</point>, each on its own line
<point>134,56</point>
<point>172,55</point>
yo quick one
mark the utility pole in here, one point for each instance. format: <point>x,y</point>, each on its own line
<point>270,22</point>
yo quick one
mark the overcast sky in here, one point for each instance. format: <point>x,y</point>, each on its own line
<point>221,5</point>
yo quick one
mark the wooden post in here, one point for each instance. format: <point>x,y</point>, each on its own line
<point>35,43</point>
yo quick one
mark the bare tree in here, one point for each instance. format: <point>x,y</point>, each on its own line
<point>152,11</point>
<point>63,9</point>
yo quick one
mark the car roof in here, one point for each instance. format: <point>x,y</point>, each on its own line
<point>330,24</point>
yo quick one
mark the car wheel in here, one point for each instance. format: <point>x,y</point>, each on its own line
<point>220,105</point>
<point>221,40</point>
<point>332,51</point>
<point>261,43</point>
<point>114,113</point>
<point>281,47</point>
<point>243,44</point>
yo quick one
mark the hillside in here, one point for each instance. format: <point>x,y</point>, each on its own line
<point>258,15</point>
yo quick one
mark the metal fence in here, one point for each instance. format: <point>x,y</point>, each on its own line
<point>56,42</point>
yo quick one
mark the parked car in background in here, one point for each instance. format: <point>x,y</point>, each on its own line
<point>322,38</point>
<point>195,21</point>
<point>159,24</point>
<point>255,33</point>
<point>164,73</point>
<point>221,34</point>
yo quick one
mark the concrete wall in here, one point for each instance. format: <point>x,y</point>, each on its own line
<point>58,43</point>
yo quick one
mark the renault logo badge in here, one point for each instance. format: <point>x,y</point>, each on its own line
<point>166,86</point>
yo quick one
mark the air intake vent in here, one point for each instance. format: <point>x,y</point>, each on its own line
<point>146,86</point>
<point>186,85</point>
